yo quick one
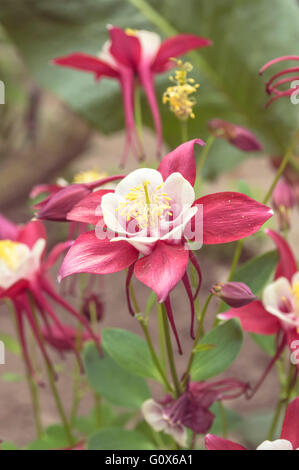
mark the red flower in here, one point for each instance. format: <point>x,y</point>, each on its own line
<point>238,136</point>
<point>130,56</point>
<point>23,279</point>
<point>273,86</point>
<point>289,438</point>
<point>152,213</point>
<point>279,309</point>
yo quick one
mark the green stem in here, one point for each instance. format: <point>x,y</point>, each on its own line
<point>170,355</point>
<point>161,339</point>
<point>275,420</point>
<point>283,164</point>
<point>223,419</point>
<point>33,388</point>
<point>204,153</point>
<point>138,111</point>
<point>154,355</point>
<point>184,130</point>
<point>197,337</point>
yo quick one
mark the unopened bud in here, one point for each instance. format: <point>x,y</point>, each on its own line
<point>283,202</point>
<point>238,136</point>
<point>235,294</point>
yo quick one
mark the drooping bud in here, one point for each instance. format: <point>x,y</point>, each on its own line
<point>93,304</point>
<point>65,339</point>
<point>283,202</point>
<point>234,294</point>
<point>238,136</point>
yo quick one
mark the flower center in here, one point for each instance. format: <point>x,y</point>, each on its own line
<point>145,206</point>
<point>9,254</point>
<point>178,95</point>
<point>88,176</point>
<point>131,32</point>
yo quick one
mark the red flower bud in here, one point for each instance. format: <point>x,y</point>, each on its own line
<point>283,201</point>
<point>235,294</point>
<point>64,340</point>
<point>93,301</point>
<point>238,136</point>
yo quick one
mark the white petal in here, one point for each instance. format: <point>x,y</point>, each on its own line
<point>274,292</point>
<point>38,250</point>
<point>295,279</point>
<point>153,415</point>
<point>142,244</point>
<point>180,190</point>
<point>279,444</point>
<point>178,432</point>
<point>106,56</point>
<point>112,218</point>
<point>136,178</point>
<point>150,43</point>
<point>177,233</point>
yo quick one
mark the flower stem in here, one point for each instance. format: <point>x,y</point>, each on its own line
<point>204,153</point>
<point>197,337</point>
<point>223,419</point>
<point>283,164</point>
<point>33,388</point>
<point>138,110</point>
<point>275,420</point>
<point>184,130</point>
<point>155,358</point>
<point>173,371</point>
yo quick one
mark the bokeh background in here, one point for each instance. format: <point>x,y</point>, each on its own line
<point>56,122</point>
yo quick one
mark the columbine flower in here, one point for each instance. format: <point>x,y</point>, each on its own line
<point>238,136</point>
<point>23,279</point>
<point>179,95</point>
<point>283,202</point>
<point>133,55</point>
<point>289,438</point>
<point>191,409</point>
<point>235,294</point>
<point>279,309</point>
<point>63,196</point>
<point>151,214</point>
<point>65,340</point>
<point>273,86</point>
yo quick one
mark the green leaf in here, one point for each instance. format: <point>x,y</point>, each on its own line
<point>246,34</point>
<point>266,342</point>
<point>103,417</point>
<point>233,420</point>
<point>129,351</point>
<point>10,344</point>
<point>7,445</point>
<point>228,339</point>
<point>204,347</point>
<point>257,272</point>
<point>112,382</point>
<point>119,439</point>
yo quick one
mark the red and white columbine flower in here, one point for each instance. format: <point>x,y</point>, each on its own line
<point>134,56</point>
<point>289,438</point>
<point>165,196</point>
<point>23,280</point>
<point>274,84</point>
<point>279,309</point>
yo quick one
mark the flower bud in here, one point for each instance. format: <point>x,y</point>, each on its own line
<point>283,201</point>
<point>235,294</point>
<point>238,136</point>
<point>93,301</point>
<point>64,339</point>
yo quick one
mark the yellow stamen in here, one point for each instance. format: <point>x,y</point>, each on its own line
<point>9,254</point>
<point>88,176</point>
<point>131,32</point>
<point>178,95</point>
<point>147,206</point>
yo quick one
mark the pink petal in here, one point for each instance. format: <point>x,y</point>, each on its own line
<point>217,443</point>
<point>287,265</point>
<point>163,268</point>
<point>8,230</point>
<point>14,290</point>
<point>87,63</point>
<point>92,255</point>
<point>181,160</point>
<point>44,188</point>
<point>125,48</point>
<point>290,427</point>
<point>230,216</point>
<point>88,209</point>
<point>31,232</point>
<point>176,46</point>
<point>254,318</point>
<point>58,205</point>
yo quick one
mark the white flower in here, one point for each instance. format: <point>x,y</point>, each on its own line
<point>18,261</point>
<point>279,444</point>
<point>281,299</point>
<point>144,209</point>
<point>156,416</point>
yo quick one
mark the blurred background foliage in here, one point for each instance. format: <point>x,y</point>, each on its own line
<point>245,33</point>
